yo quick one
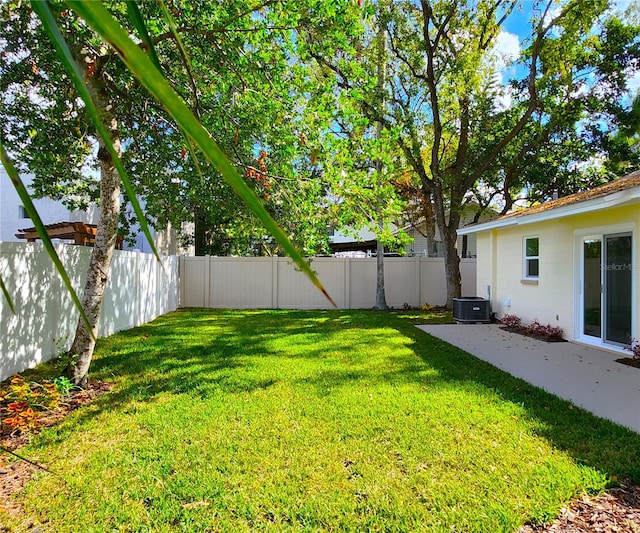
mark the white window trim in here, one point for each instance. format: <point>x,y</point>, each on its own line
<point>526,258</point>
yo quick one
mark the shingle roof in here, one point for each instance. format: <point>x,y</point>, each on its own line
<point>574,203</point>
<point>621,184</point>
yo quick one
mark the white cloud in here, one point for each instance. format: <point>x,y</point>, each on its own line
<point>506,49</point>
<point>552,14</point>
<point>633,83</point>
<point>621,4</point>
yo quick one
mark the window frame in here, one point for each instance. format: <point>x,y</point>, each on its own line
<point>528,259</point>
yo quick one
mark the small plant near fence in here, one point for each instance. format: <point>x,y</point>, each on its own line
<point>23,402</point>
<point>534,329</point>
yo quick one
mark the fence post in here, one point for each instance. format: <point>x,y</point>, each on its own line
<point>138,306</point>
<point>181,282</point>
<point>274,282</point>
<point>207,277</point>
<point>416,262</point>
<point>347,283</point>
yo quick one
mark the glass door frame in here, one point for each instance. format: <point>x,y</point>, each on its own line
<point>599,233</point>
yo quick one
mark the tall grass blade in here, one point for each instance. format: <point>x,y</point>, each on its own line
<point>42,232</point>
<point>76,76</point>
<point>97,16</point>
<point>143,33</point>
<point>183,54</point>
<point>141,27</point>
<point>7,296</point>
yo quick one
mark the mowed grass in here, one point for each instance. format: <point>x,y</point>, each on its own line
<point>314,421</point>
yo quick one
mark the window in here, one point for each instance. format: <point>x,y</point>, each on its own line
<point>531,258</point>
<point>22,212</point>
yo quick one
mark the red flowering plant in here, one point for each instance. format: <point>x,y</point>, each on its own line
<point>634,348</point>
<point>546,331</point>
<point>511,321</point>
<point>534,329</point>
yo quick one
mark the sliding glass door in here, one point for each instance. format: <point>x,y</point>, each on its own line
<point>607,301</point>
<point>617,288</point>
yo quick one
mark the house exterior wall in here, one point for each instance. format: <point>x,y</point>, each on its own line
<point>553,298</point>
<point>53,211</point>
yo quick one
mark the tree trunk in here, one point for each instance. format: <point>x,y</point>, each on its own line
<point>430,226</point>
<point>452,267</point>
<point>450,240</point>
<point>99,265</point>
<point>381,300</point>
<point>199,232</point>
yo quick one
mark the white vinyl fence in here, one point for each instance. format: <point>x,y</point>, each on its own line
<point>138,291</point>
<point>274,283</point>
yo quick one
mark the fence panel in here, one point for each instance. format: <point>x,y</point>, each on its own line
<point>138,291</point>
<point>240,282</point>
<point>250,282</point>
<point>295,291</point>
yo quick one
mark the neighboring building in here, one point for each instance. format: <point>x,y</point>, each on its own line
<point>13,218</point>
<point>466,243</point>
<point>364,243</point>
<point>572,262</point>
<point>361,243</point>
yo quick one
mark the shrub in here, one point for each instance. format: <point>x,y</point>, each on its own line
<point>535,329</point>
<point>634,348</point>
<point>547,331</point>
<point>511,321</point>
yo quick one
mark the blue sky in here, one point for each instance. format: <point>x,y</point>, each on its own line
<point>517,28</point>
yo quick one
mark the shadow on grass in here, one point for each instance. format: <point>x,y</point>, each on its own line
<point>201,352</point>
<point>590,440</point>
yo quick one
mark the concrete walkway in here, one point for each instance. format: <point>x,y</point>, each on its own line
<point>586,376</point>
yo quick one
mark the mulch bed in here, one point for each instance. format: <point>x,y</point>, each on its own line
<point>14,472</point>
<point>524,331</point>
<point>615,511</point>
<point>629,361</point>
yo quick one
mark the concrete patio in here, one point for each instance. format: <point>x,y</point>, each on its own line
<point>589,377</point>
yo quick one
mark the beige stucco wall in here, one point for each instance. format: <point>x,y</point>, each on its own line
<point>552,300</point>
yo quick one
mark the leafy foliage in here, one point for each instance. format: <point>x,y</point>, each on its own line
<point>465,134</point>
<point>22,402</point>
<point>535,328</point>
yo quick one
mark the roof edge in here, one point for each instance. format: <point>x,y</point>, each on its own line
<point>586,206</point>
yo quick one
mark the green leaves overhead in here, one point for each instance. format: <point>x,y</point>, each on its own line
<point>47,18</point>
<point>102,21</point>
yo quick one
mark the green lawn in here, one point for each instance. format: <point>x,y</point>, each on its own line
<point>314,421</point>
